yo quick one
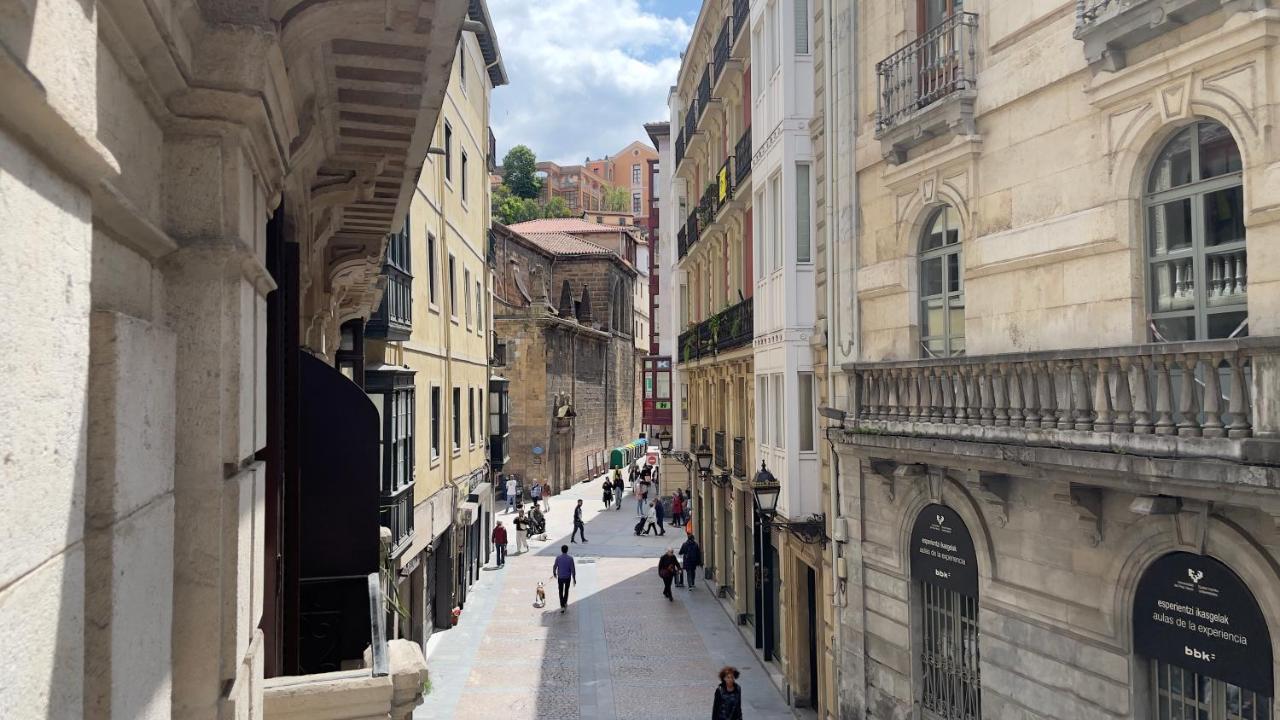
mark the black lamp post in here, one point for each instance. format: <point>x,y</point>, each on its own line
<point>664,441</point>
<point>703,454</point>
<point>765,489</point>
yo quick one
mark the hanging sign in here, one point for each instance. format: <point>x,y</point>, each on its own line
<point>942,551</point>
<point>724,184</point>
<point>1194,612</point>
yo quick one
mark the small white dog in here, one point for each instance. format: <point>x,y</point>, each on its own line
<point>540,597</point>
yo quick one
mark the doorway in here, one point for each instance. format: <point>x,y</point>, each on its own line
<point>811,585</point>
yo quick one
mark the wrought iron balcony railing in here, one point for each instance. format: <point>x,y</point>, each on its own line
<point>682,242</point>
<point>741,16</point>
<point>731,328</point>
<point>739,457</point>
<point>1197,391</point>
<point>690,122</point>
<point>397,514</point>
<point>938,63</point>
<point>692,230</point>
<point>704,91</point>
<point>679,149</point>
<point>721,454</point>
<point>742,158</point>
<point>721,57</point>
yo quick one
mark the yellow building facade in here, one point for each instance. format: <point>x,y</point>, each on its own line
<point>437,350</point>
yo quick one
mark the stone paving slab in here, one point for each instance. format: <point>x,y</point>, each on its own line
<point>621,651</point>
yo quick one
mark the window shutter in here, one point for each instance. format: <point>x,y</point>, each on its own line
<point>802,26</point>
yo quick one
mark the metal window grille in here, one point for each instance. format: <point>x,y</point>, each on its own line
<point>949,654</point>
<point>1180,693</point>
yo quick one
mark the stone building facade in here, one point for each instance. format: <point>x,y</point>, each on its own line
<point>189,208</point>
<point>1057,471</point>
<point>569,355</point>
<point>629,169</point>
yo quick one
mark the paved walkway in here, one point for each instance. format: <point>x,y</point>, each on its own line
<point>621,651</point>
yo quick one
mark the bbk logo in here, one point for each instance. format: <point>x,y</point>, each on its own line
<point>1195,575</point>
<point>1198,654</point>
<point>941,521</point>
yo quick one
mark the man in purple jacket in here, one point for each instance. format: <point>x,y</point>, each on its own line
<point>564,572</point>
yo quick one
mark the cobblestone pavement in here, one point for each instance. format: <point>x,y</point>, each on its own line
<point>622,651</point>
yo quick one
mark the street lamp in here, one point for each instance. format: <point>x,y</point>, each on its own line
<point>703,454</point>
<point>664,441</point>
<point>766,490</point>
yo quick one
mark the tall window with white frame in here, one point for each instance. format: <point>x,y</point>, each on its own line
<point>942,286</point>
<point>433,271</point>
<point>463,176</point>
<point>1196,260</point>
<point>804,215</point>
<point>435,422</point>
<point>457,419</point>
<point>448,152</point>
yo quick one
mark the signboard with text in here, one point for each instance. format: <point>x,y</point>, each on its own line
<point>1194,612</point>
<point>942,551</point>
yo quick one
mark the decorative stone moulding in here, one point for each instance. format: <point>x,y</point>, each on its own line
<point>1110,28</point>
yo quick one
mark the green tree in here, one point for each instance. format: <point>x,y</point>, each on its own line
<point>519,171</point>
<point>556,208</point>
<point>617,199</point>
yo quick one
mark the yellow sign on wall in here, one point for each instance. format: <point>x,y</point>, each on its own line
<point>724,183</point>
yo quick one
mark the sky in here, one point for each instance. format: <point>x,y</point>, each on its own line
<point>585,74</point>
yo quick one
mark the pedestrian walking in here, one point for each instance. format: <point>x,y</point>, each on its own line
<point>608,494</point>
<point>691,554</point>
<point>564,571</point>
<point>642,495</point>
<point>513,493</point>
<point>617,490</point>
<point>659,513</point>
<point>578,525</point>
<point>500,542</point>
<point>546,497</point>
<point>728,702</point>
<point>522,530</point>
<point>650,519</point>
<point>668,566</point>
<point>677,508</point>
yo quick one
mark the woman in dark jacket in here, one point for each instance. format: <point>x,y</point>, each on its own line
<point>728,703</point>
<point>668,566</point>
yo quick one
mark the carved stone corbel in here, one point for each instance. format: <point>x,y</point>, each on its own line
<point>1086,500</point>
<point>885,472</point>
<point>993,490</point>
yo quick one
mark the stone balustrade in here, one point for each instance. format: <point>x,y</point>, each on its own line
<point>352,694</point>
<point>1102,399</point>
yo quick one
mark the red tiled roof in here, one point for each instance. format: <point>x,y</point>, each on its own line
<point>565,225</point>
<point>558,243</point>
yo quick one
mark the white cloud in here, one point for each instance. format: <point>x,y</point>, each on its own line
<point>585,74</point>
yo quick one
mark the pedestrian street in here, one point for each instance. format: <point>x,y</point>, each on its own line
<point>620,651</point>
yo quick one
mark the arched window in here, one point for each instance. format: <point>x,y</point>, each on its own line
<point>944,573</point>
<point>1195,237</point>
<point>941,286</point>
<point>1205,639</point>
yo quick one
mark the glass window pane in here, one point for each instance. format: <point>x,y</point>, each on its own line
<point>1173,167</point>
<point>1175,329</point>
<point>1226,273</point>
<point>1221,325</point>
<point>1224,216</point>
<point>802,211</point>
<point>931,277</point>
<point>1173,285</point>
<point>664,385</point>
<point>931,324</point>
<point>935,236</point>
<point>1218,152</point>
<point>956,316</point>
<point>806,411</point>
<point>1169,227</point>
<point>953,272</point>
<point>935,347</point>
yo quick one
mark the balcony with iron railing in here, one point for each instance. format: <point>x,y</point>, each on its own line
<point>679,148</point>
<point>731,328</point>
<point>741,18</point>
<point>742,158</point>
<point>397,515</point>
<point>740,457</point>
<point>720,57</point>
<point>926,89</point>
<point>1158,408</point>
<point>721,450</point>
<point>1109,28</point>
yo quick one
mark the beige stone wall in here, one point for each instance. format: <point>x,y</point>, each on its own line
<point>1053,241</point>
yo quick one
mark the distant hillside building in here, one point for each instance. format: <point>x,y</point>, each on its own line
<point>629,169</point>
<point>582,188</point>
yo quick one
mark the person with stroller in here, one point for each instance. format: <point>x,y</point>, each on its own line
<point>642,496</point>
<point>650,519</point>
<point>668,566</point>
